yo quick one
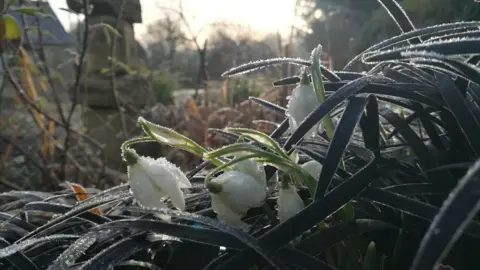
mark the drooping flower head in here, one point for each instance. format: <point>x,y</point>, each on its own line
<point>153,179</point>
<point>253,169</point>
<point>289,202</point>
<point>302,102</point>
<point>234,192</point>
<point>313,168</point>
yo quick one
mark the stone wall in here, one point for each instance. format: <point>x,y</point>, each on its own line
<point>103,120</point>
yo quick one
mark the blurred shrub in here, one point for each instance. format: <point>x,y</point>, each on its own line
<point>163,85</point>
<point>239,89</point>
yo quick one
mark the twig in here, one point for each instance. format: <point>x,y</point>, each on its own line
<point>8,152</point>
<point>46,70</point>
<point>9,184</point>
<point>113,84</point>
<point>24,97</point>
<point>202,72</point>
<point>33,106</point>
<point>19,91</point>
<point>76,86</point>
<point>32,159</point>
<point>2,89</point>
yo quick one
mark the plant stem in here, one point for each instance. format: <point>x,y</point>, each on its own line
<point>125,144</point>
<point>320,89</point>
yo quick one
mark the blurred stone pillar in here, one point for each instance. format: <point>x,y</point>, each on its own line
<point>103,120</point>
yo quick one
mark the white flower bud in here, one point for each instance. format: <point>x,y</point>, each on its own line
<point>301,103</point>
<point>252,168</point>
<point>289,202</point>
<point>313,168</point>
<point>153,179</point>
<point>233,194</point>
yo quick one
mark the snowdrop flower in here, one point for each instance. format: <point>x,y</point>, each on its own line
<point>252,168</point>
<point>301,103</point>
<point>313,168</point>
<point>153,179</point>
<point>233,193</point>
<point>289,202</point>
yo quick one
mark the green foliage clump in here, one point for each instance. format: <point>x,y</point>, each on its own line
<point>240,89</point>
<point>163,85</point>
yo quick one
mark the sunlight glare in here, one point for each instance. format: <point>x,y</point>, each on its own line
<point>264,16</point>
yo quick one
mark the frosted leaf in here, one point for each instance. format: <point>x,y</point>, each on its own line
<point>80,208</point>
<point>30,195</point>
<point>73,252</point>
<point>14,248</point>
<point>259,64</point>
<point>155,237</point>
<point>117,192</point>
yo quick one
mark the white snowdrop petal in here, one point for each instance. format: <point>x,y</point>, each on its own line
<point>313,168</point>
<point>181,178</point>
<point>242,189</point>
<point>301,103</point>
<point>289,203</point>
<point>142,189</point>
<point>163,217</point>
<point>151,179</point>
<point>240,192</point>
<point>227,214</point>
<point>252,168</point>
<point>223,210</point>
<point>166,176</point>
<point>175,194</point>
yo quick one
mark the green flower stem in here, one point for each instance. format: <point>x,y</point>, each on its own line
<point>320,89</point>
<point>320,92</point>
<point>214,188</point>
<point>130,157</point>
<point>226,166</point>
<point>125,144</point>
<point>172,138</point>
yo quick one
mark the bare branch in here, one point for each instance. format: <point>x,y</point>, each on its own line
<point>78,76</point>
<point>113,84</point>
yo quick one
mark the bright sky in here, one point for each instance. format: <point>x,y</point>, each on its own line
<point>261,15</point>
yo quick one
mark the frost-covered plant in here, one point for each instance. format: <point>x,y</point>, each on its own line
<point>289,202</point>
<point>241,185</point>
<point>301,103</point>
<point>153,179</point>
<point>340,200</point>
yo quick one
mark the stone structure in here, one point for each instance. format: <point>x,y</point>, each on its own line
<point>102,120</point>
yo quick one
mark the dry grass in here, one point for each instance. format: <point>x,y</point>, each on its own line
<point>197,120</point>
